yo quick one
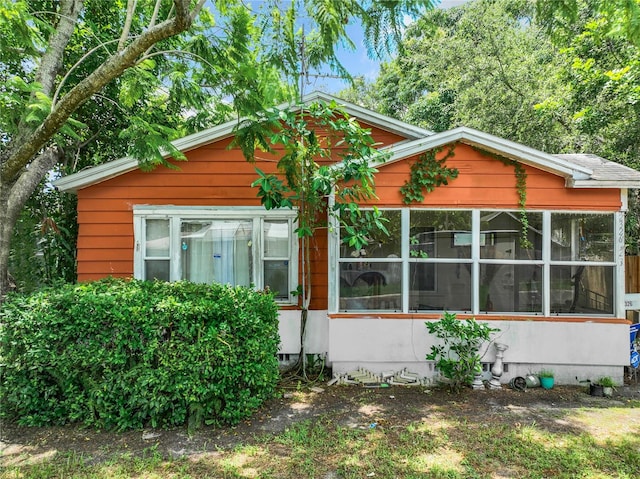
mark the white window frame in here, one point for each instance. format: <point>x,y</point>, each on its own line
<point>177,214</point>
<point>546,262</point>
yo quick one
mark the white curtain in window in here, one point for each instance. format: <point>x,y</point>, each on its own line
<point>217,251</point>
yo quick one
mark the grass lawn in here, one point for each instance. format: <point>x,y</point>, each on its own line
<point>393,434</point>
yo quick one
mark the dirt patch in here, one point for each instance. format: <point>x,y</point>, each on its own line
<point>348,406</point>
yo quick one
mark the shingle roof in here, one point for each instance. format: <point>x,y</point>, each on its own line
<point>604,174</point>
<point>579,170</point>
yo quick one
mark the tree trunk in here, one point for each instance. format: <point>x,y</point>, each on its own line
<point>26,159</point>
<point>6,229</point>
<point>12,200</point>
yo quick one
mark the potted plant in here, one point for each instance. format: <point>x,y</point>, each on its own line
<point>607,386</point>
<point>595,389</point>
<point>546,378</point>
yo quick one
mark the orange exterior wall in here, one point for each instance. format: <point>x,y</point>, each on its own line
<point>213,176</point>
<point>217,176</point>
<point>485,182</point>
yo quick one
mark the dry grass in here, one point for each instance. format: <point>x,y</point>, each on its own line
<point>404,435</point>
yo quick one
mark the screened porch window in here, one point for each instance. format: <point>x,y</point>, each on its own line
<point>583,263</point>
<point>510,262</point>
<point>484,262</point>
<point>239,246</point>
<point>371,277</point>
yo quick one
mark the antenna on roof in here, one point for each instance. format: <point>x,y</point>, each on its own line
<point>304,68</point>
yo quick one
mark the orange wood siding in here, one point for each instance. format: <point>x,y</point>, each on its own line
<point>319,271</point>
<point>214,175</point>
<point>217,176</point>
<point>485,182</point>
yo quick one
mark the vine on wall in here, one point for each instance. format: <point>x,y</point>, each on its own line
<point>521,188</point>
<point>427,173</point>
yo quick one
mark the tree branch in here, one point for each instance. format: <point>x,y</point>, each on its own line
<point>84,57</point>
<point>21,153</point>
<point>154,19</point>
<point>53,57</point>
<point>131,7</point>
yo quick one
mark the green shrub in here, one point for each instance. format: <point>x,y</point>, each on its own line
<point>127,354</point>
<point>456,355</point>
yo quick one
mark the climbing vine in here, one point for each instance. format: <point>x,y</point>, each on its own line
<point>427,173</point>
<point>521,188</point>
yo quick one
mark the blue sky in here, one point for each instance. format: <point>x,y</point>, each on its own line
<point>357,61</point>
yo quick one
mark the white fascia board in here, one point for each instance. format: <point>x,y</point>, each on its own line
<point>510,149</point>
<point>106,171</point>
<point>628,184</point>
<point>204,137</point>
<point>90,176</point>
<point>384,122</point>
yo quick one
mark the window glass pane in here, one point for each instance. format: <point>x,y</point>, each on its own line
<point>440,286</point>
<point>440,234</point>
<point>276,278</point>
<point>157,238</point>
<point>501,235</point>
<point>370,286</point>
<point>511,288</point>
<point>582,289</point>
<point>217,251</point>
<point>276,239</point>
<point>380,245</point>
<point>156,269</point>
<point>582,237</point>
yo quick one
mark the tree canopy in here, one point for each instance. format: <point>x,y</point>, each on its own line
<point>85,80</point>
<point>558,76</point>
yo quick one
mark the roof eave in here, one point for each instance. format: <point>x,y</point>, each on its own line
<point>368,116</point>
<point>496,145</point>
<point>106,171</point>
<point>616,184</point>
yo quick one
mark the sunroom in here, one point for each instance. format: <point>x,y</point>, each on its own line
<point>475,261</point>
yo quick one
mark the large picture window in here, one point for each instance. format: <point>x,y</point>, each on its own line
<point>484,262</point>
<point>239,246</point>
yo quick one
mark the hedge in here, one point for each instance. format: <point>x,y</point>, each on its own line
<point>121,354</point>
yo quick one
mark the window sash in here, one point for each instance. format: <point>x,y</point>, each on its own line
<point>282,266</point>
<point>532,292</point>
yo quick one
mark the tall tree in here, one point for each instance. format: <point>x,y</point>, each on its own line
<point>485,64</point>
<point>600,49</point>
<point>600,46</point>
<point>57,57</point>
<point>38,102</point>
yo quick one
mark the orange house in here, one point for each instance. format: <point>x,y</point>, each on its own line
<point>550,275</point>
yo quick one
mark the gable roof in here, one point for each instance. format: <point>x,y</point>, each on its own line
<point>579,170</point>
<point>106,171</point>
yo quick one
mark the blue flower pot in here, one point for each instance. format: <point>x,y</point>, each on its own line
<point>546,383</point>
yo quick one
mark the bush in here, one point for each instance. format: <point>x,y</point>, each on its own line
<point>457,354</point>
<point>126,354</point>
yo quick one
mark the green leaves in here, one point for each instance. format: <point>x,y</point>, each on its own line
<point>271,191</point>
<point>123,354</point>
<point>456,353</point>
<point>427,173</point>
<point>324,152</point>
<point>618,18</point>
